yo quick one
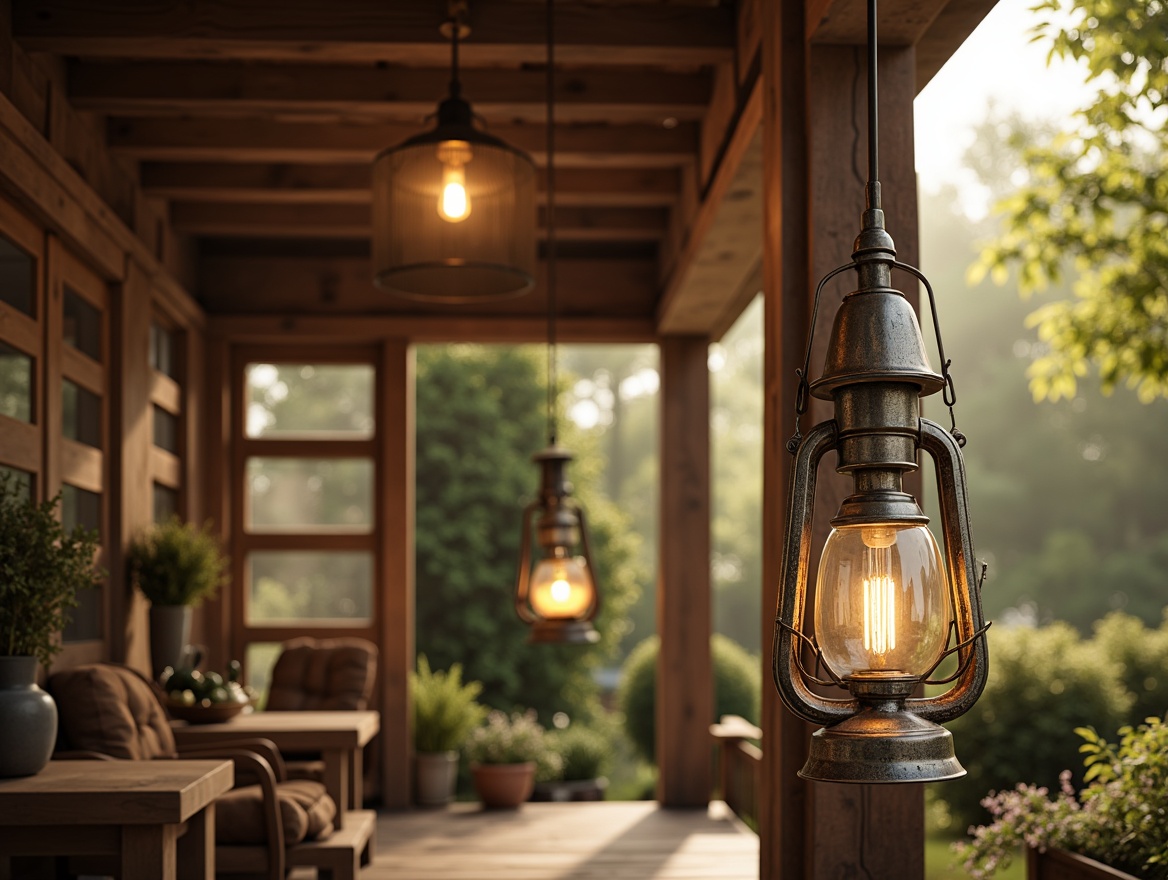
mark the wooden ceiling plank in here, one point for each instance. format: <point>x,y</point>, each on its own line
<point>350,184</point>
<point>901,22</point>
<point>396,31</point>
<point>949,30</point>
<point>281,286</point>
<point>252,140</point>
<point>354,221</point>
<point>593,95</point>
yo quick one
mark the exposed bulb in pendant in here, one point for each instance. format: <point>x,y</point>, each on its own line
<point>454,202</point>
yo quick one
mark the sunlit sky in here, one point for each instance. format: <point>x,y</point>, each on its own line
<point>997,63</point>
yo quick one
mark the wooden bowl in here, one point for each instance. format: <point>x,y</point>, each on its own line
<point>213,714</point>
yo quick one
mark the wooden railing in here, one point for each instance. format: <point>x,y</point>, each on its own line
<point>740,763</point>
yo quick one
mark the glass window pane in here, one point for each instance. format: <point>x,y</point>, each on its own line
<point>20,481</point>
<point>309,494</point>
<point>82,508</point>
<point>15,384</point>
<point>80,414</point>
<point>166,430</point>
<point>310,400</point>
<point>165,503</point>
<point>319,585</point>
<point>82,328</point>
<point>17,274</point>
<point>162,349</point>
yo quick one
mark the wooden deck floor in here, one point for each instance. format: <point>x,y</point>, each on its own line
<point>621,840</point>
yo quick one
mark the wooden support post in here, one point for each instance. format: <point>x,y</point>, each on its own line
<point>131,437</point>
<point>685,690</point>
<point>395,500</point>
<point>814,117</point>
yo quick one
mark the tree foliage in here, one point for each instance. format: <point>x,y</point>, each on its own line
<point>1095,205</point>
<point>480,416</point>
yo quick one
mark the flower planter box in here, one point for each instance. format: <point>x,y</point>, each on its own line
<point>1057,864</point>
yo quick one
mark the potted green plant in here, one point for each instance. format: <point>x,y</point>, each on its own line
<point>503,755</point>
<point>584,753</point>
<point>42,568</point>
<point>1115,827</point>
<point>176,566</point>
<point>445,712</point>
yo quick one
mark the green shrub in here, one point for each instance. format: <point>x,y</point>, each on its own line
<point>1140,656</point>
<point>173,563</point>
<point>583,751</point>
<point>737,688</point>
<point>1043,683</point>
<point>445,709</point>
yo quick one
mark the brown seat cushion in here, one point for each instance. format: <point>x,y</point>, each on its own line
<point>112,710</point>
<point>306,811</point>
<point>323,674</point>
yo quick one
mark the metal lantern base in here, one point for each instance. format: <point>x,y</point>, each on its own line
<point>563,632</point>
<point>882,746</point>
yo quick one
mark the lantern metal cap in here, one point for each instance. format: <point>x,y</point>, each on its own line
<point>456,122</point>
<point>879,746</point>
<point>876,338</point>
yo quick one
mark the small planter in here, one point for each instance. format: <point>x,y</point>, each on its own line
<point>170,630</point>
<point>503,786</point>
<point>29,730</point>
<point>434,777</point>
<point>1057,864</point>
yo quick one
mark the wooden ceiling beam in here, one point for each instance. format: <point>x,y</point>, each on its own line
<point>350,184</point>
<point>395,31</point>
<point>353,221</point>
<point>593,95</point>
<point>256,284</point>
<point>256,140</point>
<point>935,27</point>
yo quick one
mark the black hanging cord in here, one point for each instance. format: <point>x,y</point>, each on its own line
<point>873,127</point>
<point>551,223</point>
<point>455,30</point>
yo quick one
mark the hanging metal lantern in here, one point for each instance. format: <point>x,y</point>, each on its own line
<point>557,593</point>
<point>454,208</point>
<point>889,605</point>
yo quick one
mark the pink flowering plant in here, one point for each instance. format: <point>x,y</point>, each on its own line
<point>1119,817</point>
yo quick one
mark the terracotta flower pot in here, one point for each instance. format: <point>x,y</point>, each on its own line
<point>503,786</point>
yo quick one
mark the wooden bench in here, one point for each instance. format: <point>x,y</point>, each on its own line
<point>340,855</point>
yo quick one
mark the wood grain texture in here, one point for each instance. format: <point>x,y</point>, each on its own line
<point>397,93</point>
<point>261,140</point>
<point>395,516</point>
<point>403,32</point>
<point>630,840</point>
<point>685,689</point>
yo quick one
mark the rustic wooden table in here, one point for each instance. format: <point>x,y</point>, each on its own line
<point>339,736</point>
<point>128,809</point>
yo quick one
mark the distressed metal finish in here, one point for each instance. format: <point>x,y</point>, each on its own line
<point>560,523</point>
<point>882,746</point>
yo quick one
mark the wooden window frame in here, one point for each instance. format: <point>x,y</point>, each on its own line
<point>66,460</point>
<point>243,542</point>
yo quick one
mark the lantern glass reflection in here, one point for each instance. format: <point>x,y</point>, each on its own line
<point>882,602</point>
<point>561,587</point>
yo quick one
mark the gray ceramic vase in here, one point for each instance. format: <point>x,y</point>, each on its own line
<point>29,731</point>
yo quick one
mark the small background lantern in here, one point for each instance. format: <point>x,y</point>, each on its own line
<point>557,593</point>
<point>889,605</point>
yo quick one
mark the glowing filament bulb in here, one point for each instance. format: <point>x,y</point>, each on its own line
<point>561,589</point>
<point>454,202</point>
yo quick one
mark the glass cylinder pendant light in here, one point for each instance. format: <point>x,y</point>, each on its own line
<point>454,207</point>
<point>890,605</point>
<point>557,593</point>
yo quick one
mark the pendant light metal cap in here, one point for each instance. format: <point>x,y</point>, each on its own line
<point>876,338</point>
